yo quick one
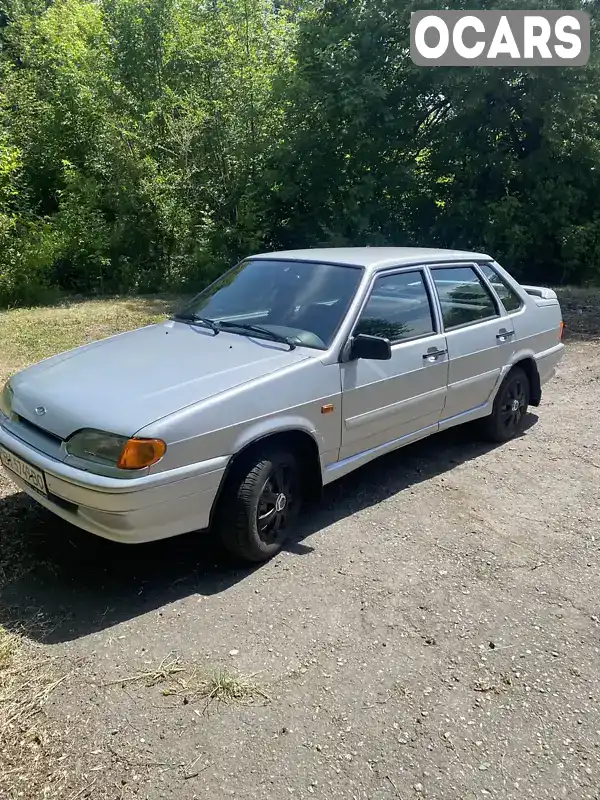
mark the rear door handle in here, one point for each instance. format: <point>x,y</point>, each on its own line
<point>432,354</point>
<point>503,335</point>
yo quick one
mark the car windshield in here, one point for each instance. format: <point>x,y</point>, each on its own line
<point>302,301</point>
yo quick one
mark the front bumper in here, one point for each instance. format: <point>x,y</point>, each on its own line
<point>144,509</point>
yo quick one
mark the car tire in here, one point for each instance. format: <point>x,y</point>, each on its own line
<point>510,407</point>
<point>260,506</point>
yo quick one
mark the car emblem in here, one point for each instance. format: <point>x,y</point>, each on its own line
<point>40,411</point>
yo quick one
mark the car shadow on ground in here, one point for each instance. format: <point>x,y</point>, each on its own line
<point>59,583</point>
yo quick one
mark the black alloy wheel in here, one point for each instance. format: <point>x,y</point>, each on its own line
<point>259,508</point>
<point>277,503</point>
<point>510,407</point>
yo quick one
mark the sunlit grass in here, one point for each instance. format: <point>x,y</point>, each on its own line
<point>8,647</point>
<point>30,334</point>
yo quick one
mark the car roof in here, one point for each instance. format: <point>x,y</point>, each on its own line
<point>373,258</point>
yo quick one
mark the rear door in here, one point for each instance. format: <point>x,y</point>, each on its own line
<point>479,335</point>
<point>386,400</point>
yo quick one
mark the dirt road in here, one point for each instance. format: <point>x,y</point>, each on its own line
<point>434,633</point>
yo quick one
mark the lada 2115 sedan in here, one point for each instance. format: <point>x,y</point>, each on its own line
<point>289,371</point>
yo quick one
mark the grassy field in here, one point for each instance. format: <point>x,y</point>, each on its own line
<point>30,334</point>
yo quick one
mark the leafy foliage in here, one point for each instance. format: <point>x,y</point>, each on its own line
<point>147,144</point>
<point>382,151</point>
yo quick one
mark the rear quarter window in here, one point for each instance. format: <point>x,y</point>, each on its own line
<point>510,299</point>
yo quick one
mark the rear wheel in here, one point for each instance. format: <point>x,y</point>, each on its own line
<point>260,506</point>
<point>510,406</point>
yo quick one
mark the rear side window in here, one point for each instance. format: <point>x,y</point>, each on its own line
<point>510,299</point>
<point>463,296</point>
<point>398,308</point>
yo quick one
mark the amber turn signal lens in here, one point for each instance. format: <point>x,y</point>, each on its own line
<point>561,329</point>
<point>139,453</point>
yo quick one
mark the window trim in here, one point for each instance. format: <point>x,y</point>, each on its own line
<point>505,284</point>
<point>500,311</point>
<point>433,307</point>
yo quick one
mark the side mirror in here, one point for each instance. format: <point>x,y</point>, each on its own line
<point>373,347</point>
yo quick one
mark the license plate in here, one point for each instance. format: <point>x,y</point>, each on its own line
<point>31,475</point>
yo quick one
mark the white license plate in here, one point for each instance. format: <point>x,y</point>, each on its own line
<point>31,475</point>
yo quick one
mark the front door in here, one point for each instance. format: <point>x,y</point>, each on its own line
<point>480,337</point>
<point>385,401</point>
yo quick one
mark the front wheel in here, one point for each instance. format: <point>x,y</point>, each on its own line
<point>510,406</point>
<point>260,506</point>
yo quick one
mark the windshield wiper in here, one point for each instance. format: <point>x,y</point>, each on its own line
<point>196,320</point>
<point>276,337</point>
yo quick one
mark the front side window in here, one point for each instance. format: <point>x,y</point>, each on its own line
<point>304,301</point>
<point>463,297</point>
<point>510,299</point>
<point>399,308</point>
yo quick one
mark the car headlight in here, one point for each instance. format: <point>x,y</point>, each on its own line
<point>6,399</point>
<point>117,451</point>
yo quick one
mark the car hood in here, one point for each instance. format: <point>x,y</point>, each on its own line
<point>124,383</point>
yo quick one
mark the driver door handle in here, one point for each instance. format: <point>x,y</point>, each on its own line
<point>433,354</point>
<point>504,335</point>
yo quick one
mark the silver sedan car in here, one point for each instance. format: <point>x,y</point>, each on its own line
<point>288,372</point>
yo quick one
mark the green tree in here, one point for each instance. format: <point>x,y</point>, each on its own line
<point>141,126</point>
<point>382,151</point>
<point>148,144</point>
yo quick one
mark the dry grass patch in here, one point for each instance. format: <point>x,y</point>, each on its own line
<point>190,685</point>
<point>220,686</point>
<point>8,647</point>
<point>30,765</point>
<point>30,334</point>
<point>167,669</point>
<point>224,686</point>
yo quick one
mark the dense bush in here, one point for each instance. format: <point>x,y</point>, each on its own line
<point>147,144</point>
